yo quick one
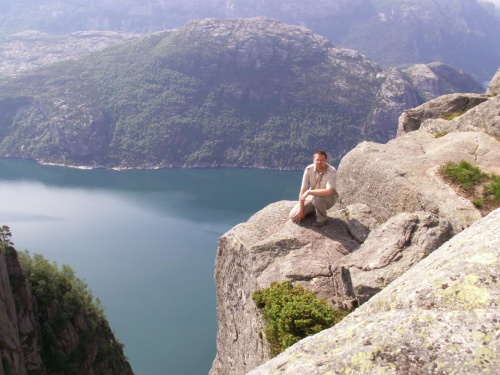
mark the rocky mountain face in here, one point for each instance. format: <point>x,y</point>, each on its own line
<point>31,49</point>
<point>415,255</point>
<point>25,334</point>
<point>393,33</point>
<point>244,92</point>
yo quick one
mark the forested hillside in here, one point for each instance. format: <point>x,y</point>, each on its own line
<point>248,93</point>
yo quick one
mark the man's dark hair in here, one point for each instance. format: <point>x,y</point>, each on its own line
<point>321,152</point>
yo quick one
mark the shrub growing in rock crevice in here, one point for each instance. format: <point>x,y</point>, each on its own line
<point>292,313</point>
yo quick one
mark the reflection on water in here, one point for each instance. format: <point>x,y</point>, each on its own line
<point>145,241</point>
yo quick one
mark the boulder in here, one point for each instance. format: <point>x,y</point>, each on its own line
<point>392,249</point>
<point>440,317</point>
<point>494,87</point>
<point>484,117</point>
<point>411,119</point>
<point>402,175</point>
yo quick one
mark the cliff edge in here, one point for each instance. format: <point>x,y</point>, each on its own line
<point>52,333</point>
<point>414,254</point>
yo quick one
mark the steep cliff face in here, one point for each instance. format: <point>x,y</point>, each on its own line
<point>11,350</point>
<point>394,211</point>
<point>43,339</point>
<point>242,92</point>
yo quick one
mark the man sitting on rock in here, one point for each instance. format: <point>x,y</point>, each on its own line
<point>317,192</point>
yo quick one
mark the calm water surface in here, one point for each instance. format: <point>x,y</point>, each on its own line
<point>144,241</point>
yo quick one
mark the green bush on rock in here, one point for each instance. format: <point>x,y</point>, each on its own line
<point>292,313</point>
<point>481,188</point>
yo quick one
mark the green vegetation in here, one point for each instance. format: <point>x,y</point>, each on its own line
<point>292,313</point>
<point>66,304</point>
<point>451,115</point>
<point>464,174</point>
<point>493,187</point>
<point>481,188</point>
<point>5,236</point>
<point>440,134</point>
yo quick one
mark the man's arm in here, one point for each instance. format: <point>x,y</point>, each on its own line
<point>322,192</point>
<point>304,192</point>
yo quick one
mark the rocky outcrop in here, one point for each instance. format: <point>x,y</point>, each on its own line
<point>401,176</point>
<point>494,87</point>
<point>440,317</point>
<point>31,335</point>
<point>269,247</point>
<point>420,83</point>
<point>411,119</point>
<point>484,118</point>
<point>392,249</point>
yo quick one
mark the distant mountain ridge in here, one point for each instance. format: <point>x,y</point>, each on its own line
<point>31,49</point>
<point>241,92</point>
<point>462,33</point>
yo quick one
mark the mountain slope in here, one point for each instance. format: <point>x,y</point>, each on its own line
<point>461,33</point>
<point>241,92</point>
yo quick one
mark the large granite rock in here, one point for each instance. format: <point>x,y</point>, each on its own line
<point>392,249</point>
<point>270,247</point>
<point>484,117</point>
<point>411,119</point>
<point>394,210</point>
<point>440,317</point>
<point>401,176</point>
<point>494,87</point>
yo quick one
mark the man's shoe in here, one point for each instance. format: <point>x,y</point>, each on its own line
<point>319,223</point>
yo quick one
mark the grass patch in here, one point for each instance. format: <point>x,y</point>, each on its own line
<point>482,189</point>
<point>440,134</point>
<point>451,115</point>
<point>291,313</point>
<point>464,174</point>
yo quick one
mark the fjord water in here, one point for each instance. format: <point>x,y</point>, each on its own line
<point>144,241</point>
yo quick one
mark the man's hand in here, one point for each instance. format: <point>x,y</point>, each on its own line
<point>298,217</point>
